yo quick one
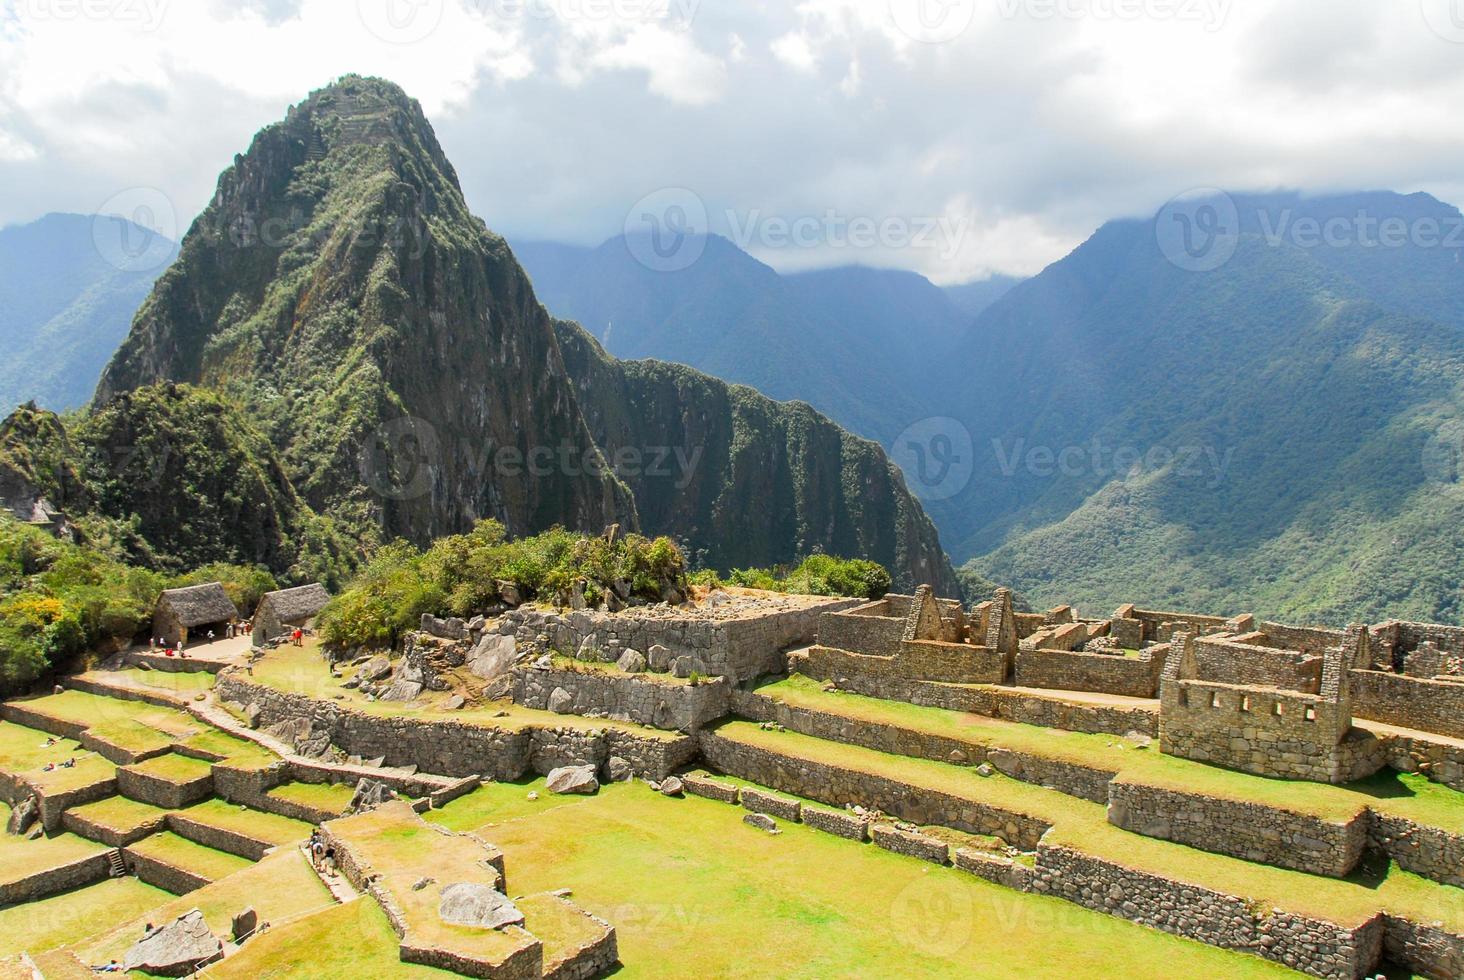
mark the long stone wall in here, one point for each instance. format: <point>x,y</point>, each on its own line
<point>1087,782</point>
<point>1427,950</point>
<point>1426,851</point>
<point>951,663</point>
<point>1312,946</point>
<point>229,841</point>
<point>163,792</point>
<point>646,700</point>
<point>1135,677</point>
<point>1226,662</point>
<point>455,748</point>
<point>861,630</point>
<point>53,881</point>
<point>1409,702</point>
<point>78,824</point>
<point>1250,831</point>
<point>837,787</point>
<point>996,702</point>
<point>162,875</point>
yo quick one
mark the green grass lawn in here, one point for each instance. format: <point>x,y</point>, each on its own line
<point>280,887</point>
<point>331,797</point>
<point>181,683</point>
<point>174,768</point>
<point>133,736</point>
<point>196,858</point>
<point>344,942</point>
<point>1409,796</point>
<point>269,827</point>
<point>23,752</point>
<point>21,858</point>
<point>94,710</point>
<point>692,890</point>
<point>51,922</point>
<point>119,813</point>
<point>236,751</point>
<point>302,670</point>
<point>1085,827</point>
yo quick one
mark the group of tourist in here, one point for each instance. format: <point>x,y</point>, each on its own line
<point>52,742</point>
<point>322,855</point>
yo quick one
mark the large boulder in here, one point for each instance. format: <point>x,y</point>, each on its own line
<point>468,903</point>
<point>573,779</point>
<point>632,662</point>
<point>659,659</point>
<point>375,669</point>
<point>509,593</point>
<point>618,770</point>
<point>686,666</point>
<point>561,702</point>
<point>493,655</point>
<point>401,690</point>
<point>175,950</point>
<point>244,924</point>
<point>370,794</point>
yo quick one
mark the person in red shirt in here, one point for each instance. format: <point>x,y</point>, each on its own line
<point>296,637</point>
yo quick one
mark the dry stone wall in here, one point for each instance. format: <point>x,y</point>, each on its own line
<point>1322,949</point>
<point>1426,851</point>
<point>1227,662</point>
<point>1266,835</point>
<point>162,875</point>
<point>1409,702</point>
<point>53,881</point>
<point>1135,677</point>
<point>646,700</point>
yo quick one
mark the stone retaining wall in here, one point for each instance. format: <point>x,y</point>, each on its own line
<point>996,702</point>
<point>996,869</point>
<point>79,825</point>
<point>920,846</point>
<point>218,838</point>
<point>17,712</point>
<point>116,754</point>
<point>1409,702</point>
<point>1439,760</point>
<point>55,805</point>
<point>1088,782</point>
<point>672,706</point>
<point>121,692</point>
<point>1427,950</point>
<point>191,664</point>
<point>712,789</point>
<point>840,823</point>
<point>1135,677</point>
<point>595,959</point>
<point>861,630</point>
<point>1312,946</point>
<point>53,881</point>
<point>758,801</point>
<point>1249,831</point>
<point>835,786</point>
<point>1426,851</point>
<point>161,792</point>
<point>162,875</point>
<point>455,748</point>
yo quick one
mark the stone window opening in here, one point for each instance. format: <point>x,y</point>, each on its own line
<point>1311,713</point>
<point>1214,699</point>
<point>1245,703</point>
<point>1278,709</point>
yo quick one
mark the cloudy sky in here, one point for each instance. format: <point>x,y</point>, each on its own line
<point>954,137</point>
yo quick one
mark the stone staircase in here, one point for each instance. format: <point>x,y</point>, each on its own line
<point>116,867</point>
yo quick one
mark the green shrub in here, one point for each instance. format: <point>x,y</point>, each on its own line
<point>815,575</point>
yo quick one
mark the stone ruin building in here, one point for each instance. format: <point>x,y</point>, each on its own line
<point>1266,698</point>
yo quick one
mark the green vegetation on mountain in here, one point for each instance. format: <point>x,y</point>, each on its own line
<point>814,575</point>
<point>461,575</point>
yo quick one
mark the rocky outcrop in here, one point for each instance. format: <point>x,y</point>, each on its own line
<point>176,949</point>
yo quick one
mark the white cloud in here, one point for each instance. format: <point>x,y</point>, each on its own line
<point>1032,122</point>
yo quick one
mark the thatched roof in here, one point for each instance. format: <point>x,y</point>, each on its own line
<point>199,604</point>
<point>290,605</point>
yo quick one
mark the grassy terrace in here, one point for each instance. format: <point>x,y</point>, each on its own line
<point>119,813</point>
<point>1084,826</point>
<point>343,942</point>
<point>1407,795</point>
<point>51,922</point>
<point>689,887</point>
<point>95,711</point>
<point>180,852</point>
<point>183,684</point>
<point>269,827</point>
<point>21,858</point>
<point>239,752</point>
<point>174,768</point>
<point>23,752</point>
<point>331,797</point>
<point>280,887</point>
<point>302,670</point>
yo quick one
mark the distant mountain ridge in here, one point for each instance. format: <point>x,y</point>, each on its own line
<point>66,302</point>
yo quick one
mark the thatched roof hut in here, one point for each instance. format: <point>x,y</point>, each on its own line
<point>195,609</point>
<point>282,611</point>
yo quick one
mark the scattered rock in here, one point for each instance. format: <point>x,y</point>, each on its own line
<point>958,757</point>
<point>533,796</point>
<point>573,779</point>
<point>985,769</point>
<point>401,690</point>
<point>493,656</point>
<point>422,883</point>
<point>244,924</point>
<point>561,702</point>
<point>1139,739</point>
<point>671,786</point>
<point>589,648</point>
<point>686,666</point>
<point>1006,761</point>
<point>509,593</point>
<point>454,703</point>
<point>659,659</point>
<point>762,822</point>
<point>543,663</point>
<point>561,893</point>
<point>468,903</point>
<point>617,769</point>
<point>370,794</point>
<point>176,949</point>
<point>377,668</point>
<point>251,715</point>
<point>632,662</point>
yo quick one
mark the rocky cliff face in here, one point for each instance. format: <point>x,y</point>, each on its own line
<point>340,293</point>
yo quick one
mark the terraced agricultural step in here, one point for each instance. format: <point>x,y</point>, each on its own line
<point>116,821</point>
<point>179,865</point>
<point>236,830</point>
<point>170,781</point>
